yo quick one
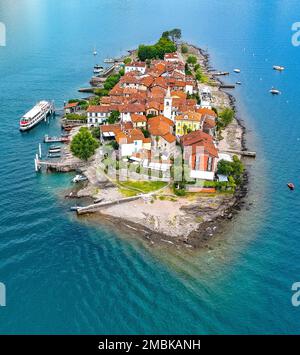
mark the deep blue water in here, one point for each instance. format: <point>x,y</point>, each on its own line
<point>65,275</point>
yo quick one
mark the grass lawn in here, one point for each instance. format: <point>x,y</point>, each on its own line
<point>128,193</point>
<point>143,186</point>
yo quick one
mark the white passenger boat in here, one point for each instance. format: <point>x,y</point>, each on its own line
<point>38,113</point>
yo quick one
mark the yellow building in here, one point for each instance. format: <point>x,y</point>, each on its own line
<point>188,122</point>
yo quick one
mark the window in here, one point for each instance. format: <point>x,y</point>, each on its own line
<point>209,164</point>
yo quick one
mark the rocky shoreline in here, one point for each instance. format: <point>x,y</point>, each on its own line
<point>201,219</point>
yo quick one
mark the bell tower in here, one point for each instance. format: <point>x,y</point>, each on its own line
<point>168,104</point>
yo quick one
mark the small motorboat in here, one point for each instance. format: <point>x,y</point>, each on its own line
<point>238,83</point>
<point>278,67</point>
<point>237,70</point>
<point>54,147</point>
<point>79,178</point>
<point>98,69</point>
<point>291,186</point>
<point>274,91</point>
<point>54,151</point>
<point>53,155</point>
<point>74,208</point>
<point>109,60</point>
<point>95,52</point>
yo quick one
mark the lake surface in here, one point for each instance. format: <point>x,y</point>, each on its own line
<point>65,275</point>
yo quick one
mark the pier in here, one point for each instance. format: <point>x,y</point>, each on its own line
<point>98,206</point>
<point>48,139</point>
<point>59,166</point>
<point>245,153</point>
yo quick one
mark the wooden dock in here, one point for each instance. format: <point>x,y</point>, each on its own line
<point>48,139</point>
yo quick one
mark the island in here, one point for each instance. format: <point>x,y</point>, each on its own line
<point>158,145</point>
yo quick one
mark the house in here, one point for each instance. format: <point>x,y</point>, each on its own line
<point>139,121</point>
<point>205,98</point>
<point>132,141</point>
<point>189,88</point>
<point>135,66</point>
<point>154,108</point>
<point>201,154</point>
<point>127,110</point>
<point>188,122</point>
<point>163,139</point>
<point>97,114</point>
<point>71,107</point>
<point>171,57</point>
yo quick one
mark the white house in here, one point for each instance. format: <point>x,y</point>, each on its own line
<point>189,88</point>
<point>171,57</point>
<point>132,142</point>
<point>97,115</point>
<point>127,110</point>
<point>205,96</point>
<point>135,66</point>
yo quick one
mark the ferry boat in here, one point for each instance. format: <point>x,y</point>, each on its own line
<point>38,113</point>
<point>278,67</point>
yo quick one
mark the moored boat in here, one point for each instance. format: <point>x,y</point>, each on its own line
<point>237,70</point>
<point>278,67</point>
<point>98,69</point>
<point>38,113</point>
<point>53,155</point>
<point>291,186</point>
<point>274,91</point>
<point>79,178</point>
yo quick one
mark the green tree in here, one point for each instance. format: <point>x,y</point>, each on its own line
<point>192,59</point>
<point>114,117</point>
<point>225,118</point>
<point>146,133</point>
<point>175,34</point>
<point>233,169</point>
<point>83,144</point>
<point>95,132</point>
<point>225,167</point>
<point>184,49</point>
<point>196,67</point>
<point>165,34</point>
<point>95,100</point>
<point>115,145</point>
<point>158,50</point>
<point>127,60</point>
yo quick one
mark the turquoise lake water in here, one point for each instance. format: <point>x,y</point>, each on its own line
<point>65,275</point>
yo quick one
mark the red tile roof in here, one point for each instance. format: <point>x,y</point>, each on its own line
<point>98,108</point>
<point>138,118</point>
<point>136,64</point>
<point>71,105</point>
